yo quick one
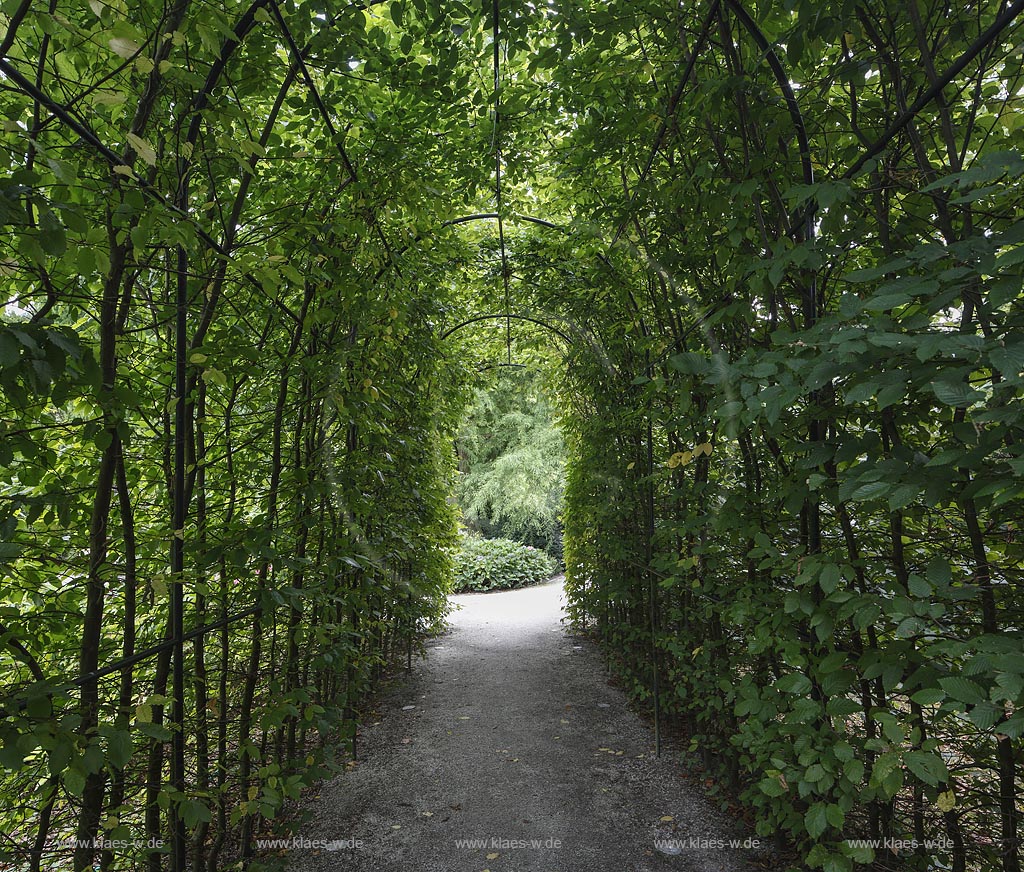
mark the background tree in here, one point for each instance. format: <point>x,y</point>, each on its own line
<point>512,462</point>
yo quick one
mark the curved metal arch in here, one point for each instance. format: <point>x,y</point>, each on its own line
<point>493,216</point>
<point>247,22</point>
<point>501,316</point>
<point>244,26</point>
<point>489,366</point>
<point>779,71</point>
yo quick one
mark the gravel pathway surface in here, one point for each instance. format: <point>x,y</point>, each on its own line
<point>506,749</point>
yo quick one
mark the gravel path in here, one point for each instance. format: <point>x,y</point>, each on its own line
<point>507,750</point>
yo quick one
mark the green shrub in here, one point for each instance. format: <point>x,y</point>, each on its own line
<point>499,564</point>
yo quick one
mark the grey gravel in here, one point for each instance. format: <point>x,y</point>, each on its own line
<point>508,733</point>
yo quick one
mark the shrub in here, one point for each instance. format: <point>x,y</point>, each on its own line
<point>499,564</point>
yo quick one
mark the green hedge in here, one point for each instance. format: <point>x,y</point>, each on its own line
<point>499,564</point>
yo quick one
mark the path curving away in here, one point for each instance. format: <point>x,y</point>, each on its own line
<point>508,750</point>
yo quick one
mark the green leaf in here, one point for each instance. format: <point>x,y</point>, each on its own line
<point>837,863</point>
<point>918,586</point>
<point>927,766</point>
<point>1013,727</point>
<point>939,573</point>
<point>10,348</point>
<point>74,781</point>
<point>829,578</point>
<point>119,748</point>
<point>985,715</point>
<point>929,696</point>
<point>963,689</point>
<point>1009,359</point>
<point>955,393</point>
<point>11,756</point>
<point>794,682</point>
<point>870,491</point>
<point>194,812</point>
<point>861,854</point>
<point>51,234</point>
<point>816,819</point>
<point>143,149</point>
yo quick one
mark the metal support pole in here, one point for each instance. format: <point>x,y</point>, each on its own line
<point>178,839</point>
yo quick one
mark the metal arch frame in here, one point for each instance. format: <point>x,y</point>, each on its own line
<point>484,367</point>
<point>810,301</point>
<point>501,316</point>
<point>493,216</point>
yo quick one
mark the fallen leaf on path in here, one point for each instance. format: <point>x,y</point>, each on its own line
<point>428,814</point>
<point>667,818</point>
<point>492,856</point>
<point>396,826</point>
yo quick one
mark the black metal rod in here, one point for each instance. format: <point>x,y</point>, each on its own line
<point>502,316</point>
<point>810,290</point>
<point>652,581</point>
<point>673,102</point>
<point>496,13</point>
<point>179,843</point>
<point>163,646</point>
<point>931,93</point>
<point>314,92</point>
<point>139,656</point>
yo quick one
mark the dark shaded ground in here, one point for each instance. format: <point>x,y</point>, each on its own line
<point>508,734</point>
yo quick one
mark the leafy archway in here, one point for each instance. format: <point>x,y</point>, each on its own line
<point>782,246</point>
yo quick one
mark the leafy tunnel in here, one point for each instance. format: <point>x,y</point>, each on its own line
<point>768,259</point>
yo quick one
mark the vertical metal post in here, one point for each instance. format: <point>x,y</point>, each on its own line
<point>178,840</point>
<point>407,573</point>
<point>652,582</point>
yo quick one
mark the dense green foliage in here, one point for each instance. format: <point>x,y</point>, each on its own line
<point>320,413</point>
<point>512,463</point>
<point>774,265</point>
<point>499,564</point>
<point>829,527</point>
